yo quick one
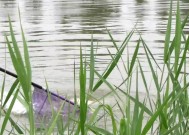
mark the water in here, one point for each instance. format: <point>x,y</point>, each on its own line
<point>56,28</point>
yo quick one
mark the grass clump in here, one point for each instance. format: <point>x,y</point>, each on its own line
<point>130,114</point>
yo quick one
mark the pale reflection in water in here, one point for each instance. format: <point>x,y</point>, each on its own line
<point>56,28</point>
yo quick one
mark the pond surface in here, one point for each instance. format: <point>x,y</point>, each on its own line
<point>55,29</point>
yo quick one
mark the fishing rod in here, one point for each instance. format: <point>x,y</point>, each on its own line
<point>38,86</point>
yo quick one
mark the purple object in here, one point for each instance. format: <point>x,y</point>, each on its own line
<point>43,105</point>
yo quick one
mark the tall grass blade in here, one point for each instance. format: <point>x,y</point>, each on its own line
<point>177,87</point>
<point>115,45</point>
<point>128,105</point>
<point>168,33</point>
<point>26,55</point>
<point>92,63</point>
<point>114,61</point>
<point>83,104</point>
<point>142,106</point>
<point>136,109</point>
<point>171,48</point>
<point>150,53</point>
<point>94,115</point>
<point>112,39</point>
<point>145,84</point>
<point>23,69</point>
<point>17,67</point>
<point>183,58</point>
<point>159,110</point>
<point>120,108</point>
<point>153,73</point>
<point>134,58</point>
<point>10,93</point>
<point>7,116</point>
<point>16,48</point>
<point>108,84</point>
<point>123,127</point>
<point>98,131</point>
<point>112,118</point>
<point>15,125</point>
<point>29,78</point>
<point>140,122</point>
<point>54,121</point>
<point>178,32</point>
<point>168,132</point>
<point>5,101</point>
<point>2,90</point>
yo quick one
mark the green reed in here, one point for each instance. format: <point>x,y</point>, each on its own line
<point>165,114</point>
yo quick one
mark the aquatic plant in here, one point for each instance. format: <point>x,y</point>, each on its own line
<point>166,113</point>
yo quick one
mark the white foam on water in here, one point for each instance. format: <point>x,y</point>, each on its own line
<point>18,107</point>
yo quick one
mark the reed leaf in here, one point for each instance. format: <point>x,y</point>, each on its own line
<point>83,105</point>
<point>16,48</point>
<point>8,112</point>
<point>168,33</point>
<point>98,131</point>
<point>145,84</point>
<point>18,68</point>
<point>170,98</point>
<point>178,32</point>
<point>92,63</point>
<point>2,90</point>
<point>168,132</point>
<point>115,45</point>
<point>136,109</point>
<point>94,115</point>
<point>134,58</point>
<point>153,73</point>
<point>142,106</point>
<point>150,53</point>
<point>114,61</point>
<point>16,126</point>
<point>123,127</point>
<point>10,93</point>
<point>182,59</point>
<point>54,121</point>
<point>171,48</point>
<point>109,108</point>
<point>140,122</point>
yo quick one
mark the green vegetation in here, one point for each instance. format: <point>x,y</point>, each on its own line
<point>168,113</point>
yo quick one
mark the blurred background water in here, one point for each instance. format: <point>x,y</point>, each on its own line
<point>55,29</point>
